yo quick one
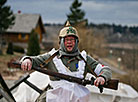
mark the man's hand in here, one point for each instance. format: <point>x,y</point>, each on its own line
<point>26,64</point>
<point>99,81</point>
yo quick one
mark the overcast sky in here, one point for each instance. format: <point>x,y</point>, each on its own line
<point>124,12</point>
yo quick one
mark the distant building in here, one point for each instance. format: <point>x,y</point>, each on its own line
<point>24,24</point>
<point>50,40</point>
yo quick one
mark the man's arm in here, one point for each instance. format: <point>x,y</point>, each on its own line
<point>103,72</point>
<point>27,62</point>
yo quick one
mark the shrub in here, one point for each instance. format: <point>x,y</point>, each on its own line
<point>10,48</point>
<point>18,49</point>
<point>33,44</point>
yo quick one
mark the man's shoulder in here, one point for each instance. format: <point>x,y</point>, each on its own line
<point>53,51</point>
<point>90,58</point>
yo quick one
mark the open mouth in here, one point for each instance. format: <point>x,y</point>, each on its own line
<point>69,46</point>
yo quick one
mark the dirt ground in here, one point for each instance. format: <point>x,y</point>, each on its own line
<point>10,73</point>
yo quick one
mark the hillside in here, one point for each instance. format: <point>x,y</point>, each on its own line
<point>116,33</point>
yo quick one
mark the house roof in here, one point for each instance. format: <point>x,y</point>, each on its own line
<point>24,23</point>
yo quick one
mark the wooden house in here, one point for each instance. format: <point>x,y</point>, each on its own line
<point>24,24</point>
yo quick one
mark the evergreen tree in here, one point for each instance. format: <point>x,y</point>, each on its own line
<point>33,44</point>
<point>76,14</point>
<point>10,48</point>
<point>6,19</point>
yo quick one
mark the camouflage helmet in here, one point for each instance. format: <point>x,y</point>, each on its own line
<point>68,30</point>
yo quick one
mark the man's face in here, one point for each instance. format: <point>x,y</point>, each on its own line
<point>69,43</point>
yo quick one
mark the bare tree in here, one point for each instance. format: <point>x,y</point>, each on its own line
<point>89,41</point>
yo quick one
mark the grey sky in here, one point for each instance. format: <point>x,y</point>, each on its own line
<point>124,12</point>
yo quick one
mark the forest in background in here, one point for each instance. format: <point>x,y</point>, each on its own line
<point>113,33</point>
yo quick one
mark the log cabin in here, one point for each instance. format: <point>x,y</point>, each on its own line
<point>24,24</point>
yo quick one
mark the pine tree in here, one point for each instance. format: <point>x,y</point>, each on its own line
<point>6,19</point>
<point>33,44</point>
<point>76,14</point>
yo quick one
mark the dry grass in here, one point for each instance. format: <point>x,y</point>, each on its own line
<point>4,70</point>
<point>5,58</point>
<point>113,61</point>
<point>131,79</point>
